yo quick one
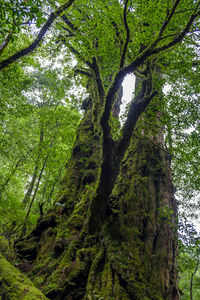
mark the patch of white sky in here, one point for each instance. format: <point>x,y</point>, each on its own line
<point>128,89</point>
<point>128,86</point>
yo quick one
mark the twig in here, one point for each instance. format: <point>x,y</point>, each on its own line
<point>83,72</point>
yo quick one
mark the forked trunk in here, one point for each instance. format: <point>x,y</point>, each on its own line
<point>132,252</point>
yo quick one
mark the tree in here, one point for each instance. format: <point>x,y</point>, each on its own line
<point>112,231</point>
<point>36,141</point>
<point>189,262</point>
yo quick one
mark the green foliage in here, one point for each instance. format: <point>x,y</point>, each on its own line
<point>16,15</point>
<point>36,101</point>
<point>189,258</point>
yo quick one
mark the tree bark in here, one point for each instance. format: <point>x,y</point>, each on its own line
<point>192,278</point>
<point>112,231</point>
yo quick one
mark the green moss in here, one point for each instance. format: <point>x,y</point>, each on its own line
<point>118,289</point>
<point>107,281</point>
<point>14,285</point>
<point>4,245</point>
<point>135,198</point>
<point>99,256</point>
<point>47,241</point>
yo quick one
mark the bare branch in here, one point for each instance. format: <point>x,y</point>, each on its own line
<point>39,37</point>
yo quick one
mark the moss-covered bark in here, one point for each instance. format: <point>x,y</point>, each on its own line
<point>131,257</point>
<point>144,201</point>
<point>108,237</point>
<point>14,285</point>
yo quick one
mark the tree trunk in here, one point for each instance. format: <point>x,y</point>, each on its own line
<point>192,278</point>
<point>112,232</point>
<point>33,198</point>
<point>35,172</point>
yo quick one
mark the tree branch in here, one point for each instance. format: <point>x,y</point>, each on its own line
<point>83,72</point>
<point>179,37</point>
<point>127,35</point>
<point>97,73</point>
<point>68,22</point>
<point>168,18</point>
<point>167,36</point>
<point>39,37</point>
<point>5,42</point>
<point>140,103</point>
<point>76,53</point>
<point>147,53</point>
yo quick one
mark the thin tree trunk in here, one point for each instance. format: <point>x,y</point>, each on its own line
<point>192,278</point>
<point>3,186</point>
<point>33,198</point>
<point>56,181</point>
<point>5,43</point>
<point>32,183</point>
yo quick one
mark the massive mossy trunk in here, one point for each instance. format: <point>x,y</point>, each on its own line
<point>112,232</point>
